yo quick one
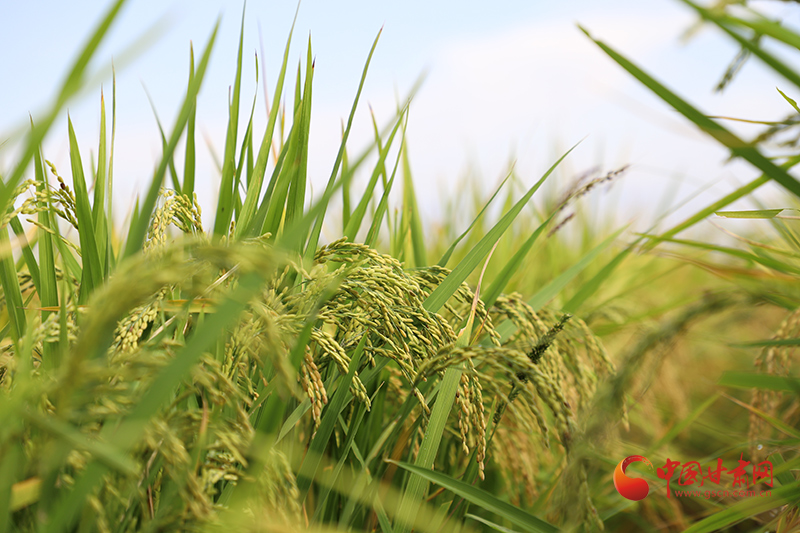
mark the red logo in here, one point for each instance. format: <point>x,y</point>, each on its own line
<point>632,488</point>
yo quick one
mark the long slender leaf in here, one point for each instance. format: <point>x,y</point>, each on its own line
<point>245,225</point>
<point>357,216</point>
<point>296,198</point>
<point>313,240</point>
<point>779,266</point>
<point>279,189</point>
<point>496,527</point>
<point>482,499</point>
<point>512,266</point>
<point>415,489</point>
<point>11,290</point>
<point>139,228</point>
<point>591,286</point>
<point>761,213</point>
<point>719,204</point>
<point>738,147</point>
<point>176,184</point>
<point>549,291</point>
<point>745,509</point>
<point>791,101</point>
<point>100,186</point>
<point>110,253</point>
<point>345,452</point>
<point>27,252</point>
<point>446,256</point>
<point>383,205</point>
<point>92,274</point>
<point>763,26</point>
<point>448,287</point>
<point>772,61</point>
<point>683,424</point>
<point>225,202</point>
<point>48,288</point>
<point>771,342</point>
<point>411,213</point>
<point>783,477</point>
<point>749,380</point>
<point>190,156</point>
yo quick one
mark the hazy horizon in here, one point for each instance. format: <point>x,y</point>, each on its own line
<point>519,82</point>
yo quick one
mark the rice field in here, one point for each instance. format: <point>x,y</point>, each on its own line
<point>524,372</point>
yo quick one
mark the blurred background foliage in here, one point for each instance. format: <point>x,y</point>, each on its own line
<point>485,373</point>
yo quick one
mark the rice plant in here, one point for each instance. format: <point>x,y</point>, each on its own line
<point>165,376</point>
<point>758,272</point>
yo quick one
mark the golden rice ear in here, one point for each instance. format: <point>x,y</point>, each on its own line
<point>173,210</point>
<point>775,360</point>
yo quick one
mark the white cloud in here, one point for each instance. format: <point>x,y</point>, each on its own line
<point>537,89</point>
<point>528,92</point>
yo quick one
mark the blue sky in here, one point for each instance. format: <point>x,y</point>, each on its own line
<point>516,80</point>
